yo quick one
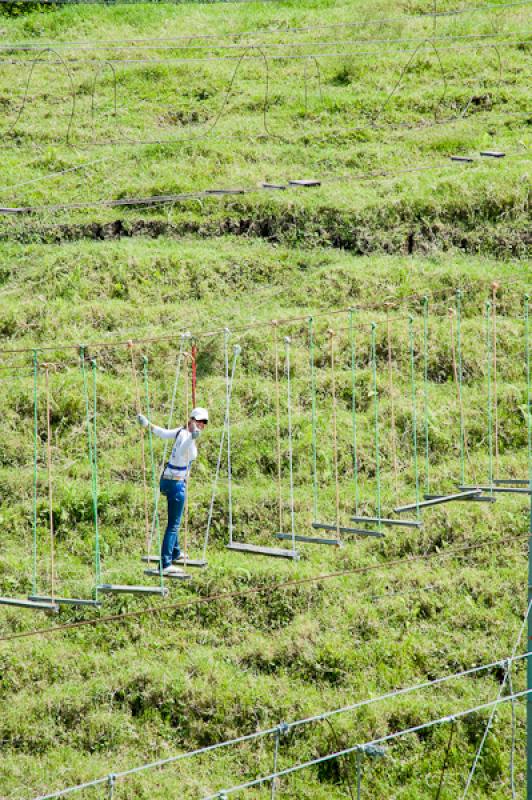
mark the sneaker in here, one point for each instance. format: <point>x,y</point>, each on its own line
<point>171,570</point>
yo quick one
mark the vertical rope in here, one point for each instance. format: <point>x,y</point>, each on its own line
<point>335,435</point>
<point>354,407</point>
<point>489,394</point>
<point>314,420</point>
<point>91,442</point>
<point>278,426</point>
<point>35,468</point>
<point>97,555</point>
<point>359,775</point>
<point>290,453</point>
<point>392,397</point>
<point>528,387</point>
<point>512,745</point>
<point>236,353</point>
<point>188,469</point>
<point>446,759</point>
<point>193,356</point>
<point>494,287</point>
<point>426,390</point>
<point>152,464</point>
<point>275,761</point>
<point>142,448</point>
<point>227,334</point>
<point>376,419</point>
<point>50,488</point>
<point>155,521</point>
<point>414,409</point>
<point>458,383</point>
<point>460,373</point>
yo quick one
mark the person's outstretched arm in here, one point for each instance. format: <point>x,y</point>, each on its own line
<point>162,433</point>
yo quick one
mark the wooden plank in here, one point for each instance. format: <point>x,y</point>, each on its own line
<point>224,191</point>
<point>178,575</point>
<point>325,526</point>
<point>492,153</point>
<point>29,605</point>
<point>501,489</point>
<point>476,499</point>
<point>309,539</point>
<point>465,159</point>
<point>435,501</point>
<point>64,601</point>
<point>305,182</point>
<point>259,550</point>
<point>114,588</point>
<point>403,523</point>
<point>191,562</point>
<point>273,186</point>
<point>511,482</point>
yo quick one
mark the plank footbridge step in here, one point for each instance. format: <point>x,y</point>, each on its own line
<point>64,601</point>
<point>114,588</point>
<point>510,482</point>
<point>309,539</point>
<point>435,501</point>
<point>500,489</point>
<point>190,562</point>
<point>478,498</point>
<point>29,604</point>
<point>403,523</point>
<point>178,575</point>
<point>325,526</point>
<point>259,550</point>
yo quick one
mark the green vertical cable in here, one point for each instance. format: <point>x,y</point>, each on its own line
<point>354,407</point>
<point>35,454</point>
<point>414,408</point>
<point>92,467</point>
<point>228,392</point>
<point>95,491</point>
<point>426,389</point>
<point>529,660</point>
<point>313,394</point>
<point>460,377</point>
<point>152,461</point>
<point>490,399</point>
<point>376,409</point>
<point>528,388</point>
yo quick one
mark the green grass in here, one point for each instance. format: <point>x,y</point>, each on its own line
<point>362,116</point>
<point>83,702</point>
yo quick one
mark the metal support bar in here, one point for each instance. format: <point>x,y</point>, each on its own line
<point>259,550</point>
<point>64,601</point>
<point>502,489</point>
<point>113,588</point>
<point>310,539</point>
<point>403,523</point>
<point>8,601</point>
<point>435,501</point>
<point>325,526</point>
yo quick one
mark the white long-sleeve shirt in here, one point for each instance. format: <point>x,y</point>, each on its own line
<point>184,451</point>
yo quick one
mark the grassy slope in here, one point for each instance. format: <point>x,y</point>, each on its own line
<point>85,702</point>
<point>364,118</point>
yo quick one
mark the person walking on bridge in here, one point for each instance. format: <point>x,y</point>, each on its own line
<point>173,483</point>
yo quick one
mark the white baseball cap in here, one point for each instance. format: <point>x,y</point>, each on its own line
<point>199,414</point>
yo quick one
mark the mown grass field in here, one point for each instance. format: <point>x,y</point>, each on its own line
<point>83,702</point>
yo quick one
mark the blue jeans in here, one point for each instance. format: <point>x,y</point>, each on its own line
<point>175,493</point>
